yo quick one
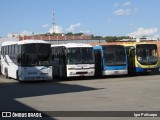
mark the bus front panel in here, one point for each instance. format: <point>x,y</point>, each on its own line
<point>146,58</point>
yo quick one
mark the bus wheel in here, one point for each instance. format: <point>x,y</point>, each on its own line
<point>6,73</point>
<point>17,75</point>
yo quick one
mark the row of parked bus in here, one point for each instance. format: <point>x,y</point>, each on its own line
<point>39,60</point>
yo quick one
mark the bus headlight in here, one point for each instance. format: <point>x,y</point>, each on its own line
<point>71,73</point>
<point>71,68</point>
<point>91,67</point>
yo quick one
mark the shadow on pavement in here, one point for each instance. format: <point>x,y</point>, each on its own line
<point>10,91</point>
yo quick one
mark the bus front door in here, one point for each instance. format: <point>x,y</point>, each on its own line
<point>98,63</point>
<point>131,61</point>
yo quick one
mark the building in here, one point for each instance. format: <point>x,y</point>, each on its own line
<point>63,39</point>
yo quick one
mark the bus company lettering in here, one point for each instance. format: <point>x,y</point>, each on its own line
<point>14,114</point>
<point>145,115</point>
<point>34,115</point>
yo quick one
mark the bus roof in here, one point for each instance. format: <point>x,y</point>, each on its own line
<point>136,43</point>
<point>125,43</point>
<point>23,42</point>
<point>73,45</point>
<point>32,41</point>
<point>9,43</point>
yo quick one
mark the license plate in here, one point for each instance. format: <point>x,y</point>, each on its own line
<point>81,75</point>
<point>148,70</point>
<point>116,72</point>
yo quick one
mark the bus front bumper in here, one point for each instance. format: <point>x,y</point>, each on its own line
<point>138,69</point>
<point>115,72</point>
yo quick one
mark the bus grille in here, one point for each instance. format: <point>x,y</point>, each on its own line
<point>81,72</point>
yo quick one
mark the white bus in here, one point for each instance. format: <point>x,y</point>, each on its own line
<point>73,59</point>
<point>26,60</point>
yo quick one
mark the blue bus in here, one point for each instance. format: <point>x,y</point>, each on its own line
<point>110,60</point>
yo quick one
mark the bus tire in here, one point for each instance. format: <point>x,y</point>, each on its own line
<point>6,73</point>
<point>17,75</point>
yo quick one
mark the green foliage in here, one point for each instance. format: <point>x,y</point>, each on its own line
<point>107,38</point>
<point>62,34</point>
<point>116,38</point>
<point>110,38</point>
<point>96,37</point>
<point>74,34</point>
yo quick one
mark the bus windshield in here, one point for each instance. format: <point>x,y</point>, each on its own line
<point>114,55</point>
<point>147,54</point>
<point>35,54</point>
<point>80,56</point>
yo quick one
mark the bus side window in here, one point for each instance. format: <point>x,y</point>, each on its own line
<point>18,49</point>
<point>6,49</point>
<point>19,59</point>
<point>64,58</point>
<point>53,53</point>
<point>12,51</point>
<point>52,57</point>
<point>60,55</point>
<point>1,50</point>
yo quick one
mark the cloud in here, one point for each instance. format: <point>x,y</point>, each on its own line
<point>86,31</point>
<point>156,36</point>
<point>131,25</point>
<point>45,25</point>
<point>12,35</point>
<point>126,9</point>
<point>127,4</point>
<point>109,20</point>
<point>56,29</point>
<point>73,27</point>
<point>136,10</point>
<point>143,32</point>
<point>122,12</point>
<point>23,33</point>
<point>116,4</point>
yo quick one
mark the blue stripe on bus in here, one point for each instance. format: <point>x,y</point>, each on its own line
<point>138,69</point>
<point>115,68</point>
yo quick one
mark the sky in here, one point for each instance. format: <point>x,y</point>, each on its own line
<point>134,18</point>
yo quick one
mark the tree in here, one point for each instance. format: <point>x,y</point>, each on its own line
<point>69,33</point>
<point>116,38</point>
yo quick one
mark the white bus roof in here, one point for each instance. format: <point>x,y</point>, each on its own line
<point>23,42</point>
<point>9,43</point>
<point>32,41</point>
<point>72,45</point>
<point>7,39</point>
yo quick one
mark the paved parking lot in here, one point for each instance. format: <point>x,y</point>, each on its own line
<point>118,93</point>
